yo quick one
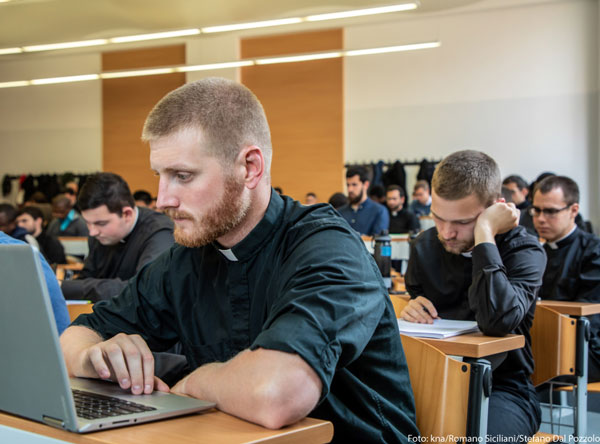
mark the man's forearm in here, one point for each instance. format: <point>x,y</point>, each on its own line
<point>266,387</point>
<point>74,341</point>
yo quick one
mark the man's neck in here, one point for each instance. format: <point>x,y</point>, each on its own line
<point>258,208</point>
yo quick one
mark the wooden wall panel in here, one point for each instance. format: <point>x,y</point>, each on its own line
<point>126,103</point>
<point>304,105</point>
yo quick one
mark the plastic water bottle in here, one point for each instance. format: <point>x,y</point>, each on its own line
<point>383,257</point>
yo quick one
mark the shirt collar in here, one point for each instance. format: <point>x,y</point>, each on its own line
<point>261,233</point>
<point>555,245</point>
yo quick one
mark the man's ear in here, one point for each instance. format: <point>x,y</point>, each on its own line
<point>128,212</point>
<point>253,162</point>
<point>574,209</point>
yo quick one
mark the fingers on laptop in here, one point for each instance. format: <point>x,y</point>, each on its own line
<point>127,360</point>
<point>419,310</point>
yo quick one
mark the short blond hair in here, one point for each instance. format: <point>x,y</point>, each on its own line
<point>468,172</point>
<point>228,114</point>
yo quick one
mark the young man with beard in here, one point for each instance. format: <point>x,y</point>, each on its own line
<point>32,219</point>
<point>573,270</point>
<point>402,220</point>
<point>477,263</point>
<point>123,238</point>
<point>362,213</point>
<point>278,306</point>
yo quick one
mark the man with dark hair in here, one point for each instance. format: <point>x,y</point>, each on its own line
<point>123,238</point>
<point>67,221</point>
<point>377,194</point>
<point>142,198</point>
<point>279,307</point>
<point>477,263</point>
<point>519,190</point>
<point>363,214</point>
<point>338,200</point>
<point>8,222</point>
<point>421,203</point>
<point>31,219</point>
<point>573,269</point>
<point>311,199</point>
<point>402,220</point>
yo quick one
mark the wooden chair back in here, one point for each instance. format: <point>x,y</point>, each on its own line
<point>441,388</point>
<point>553,337</point>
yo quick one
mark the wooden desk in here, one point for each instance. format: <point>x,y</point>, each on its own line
<point>212,427</point>
<point>572,308</point>
<point>477,345</point>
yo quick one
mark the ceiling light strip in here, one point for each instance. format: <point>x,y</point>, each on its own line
<point>224,65</point>
<point>213,29</point>
<point>362,12</point>
<point>157,35</point>
<point>388,49</point>
<point>65,45</point>
<point>252,25</point>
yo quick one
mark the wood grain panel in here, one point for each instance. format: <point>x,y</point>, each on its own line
<point>304,105</point>
<point>125,104</point>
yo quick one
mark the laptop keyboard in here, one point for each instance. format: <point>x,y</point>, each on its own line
<point>94,406</point>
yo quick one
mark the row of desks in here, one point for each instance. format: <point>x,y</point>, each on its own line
<point>218,427</point>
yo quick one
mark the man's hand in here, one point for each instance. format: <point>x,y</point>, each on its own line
<point>123,358</point>
<point>419,310</point>
<point>496,219</point>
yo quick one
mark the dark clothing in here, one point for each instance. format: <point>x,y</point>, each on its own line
<point>497,287</point>
<point>395,175</point>
<point>426,170</point>
<point>573,274</point>
<point>301,282</point>
<point>403,221</point>
<point>77,227</point>
<point>370,218</point>
<point>51,248</point>
<point>108,267</point>
<point>419,209</point>
<point>18,233</point>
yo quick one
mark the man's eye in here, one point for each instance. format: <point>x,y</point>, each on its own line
<point>183,177</point>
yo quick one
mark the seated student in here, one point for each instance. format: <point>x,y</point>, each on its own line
<point>32,220</point>
<point>402,220</point>
<point>573,269</point>
<point>338,200</point>
<point>123,238</point>
<point>362,213</point>
<point>477,263</point>
<point>279,307</point>
<point>142,198</point>
<point>421,203</point>
<point>8,222</point>
<point>311,199</point>
<point>59,307</point>
<point>67,221</point>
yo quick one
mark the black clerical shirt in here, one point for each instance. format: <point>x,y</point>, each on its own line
<point>497,287</point>
<point>301,282</point>
<point>573,274</point>
<point>403,221</point>
<point>108,267</point>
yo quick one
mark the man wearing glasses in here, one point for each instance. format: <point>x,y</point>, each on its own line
<point>573,269</point>
<point>478,264</point>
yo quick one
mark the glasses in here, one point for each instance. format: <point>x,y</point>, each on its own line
<point>548,212</point>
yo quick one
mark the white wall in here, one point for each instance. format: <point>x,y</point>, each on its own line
<point>52,128</point>
<point>519,83</point>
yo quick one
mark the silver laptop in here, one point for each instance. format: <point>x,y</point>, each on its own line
<point>33,376</point>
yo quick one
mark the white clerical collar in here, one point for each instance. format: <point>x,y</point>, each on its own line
<point>229,255</point>
<point>554,245</point>
<point>468,254</point>
<point>429,201</point>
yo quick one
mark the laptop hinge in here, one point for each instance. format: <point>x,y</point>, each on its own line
<point>53,422</point>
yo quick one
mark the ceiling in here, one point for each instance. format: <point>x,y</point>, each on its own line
<point>26,22</point>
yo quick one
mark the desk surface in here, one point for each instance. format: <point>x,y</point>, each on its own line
<point>212,427</point>
<point>476,345</point>
<point>572,308</point>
